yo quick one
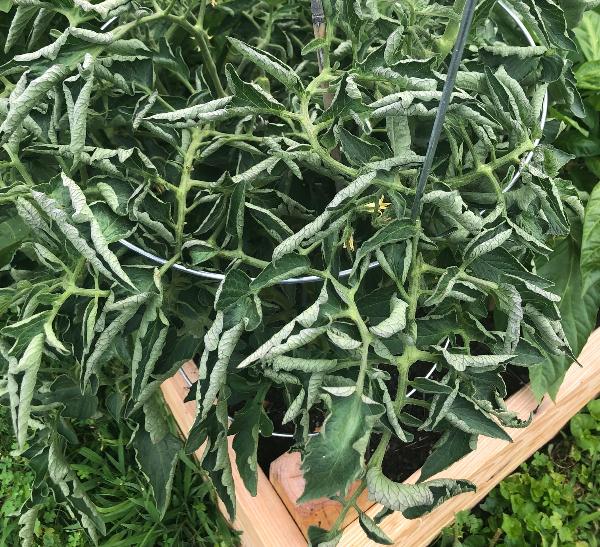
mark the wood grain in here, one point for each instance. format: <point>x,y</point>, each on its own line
<point>495,459</point>
<point>264,519</point>
<point>287,479</point>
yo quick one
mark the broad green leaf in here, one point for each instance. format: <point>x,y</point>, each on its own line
<point>578,311</point>
<point>158,462</point>
<point>12,231</point>
<point>335,457</point>
<point>467,417</point>
<point>249,94</point>
<point>587,36</point>
<point>588,76</point>
<point>232,289</point>
<point>590,242</point>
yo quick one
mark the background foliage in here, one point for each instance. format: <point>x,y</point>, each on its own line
<point>552,500</point>
<point>108,470</point>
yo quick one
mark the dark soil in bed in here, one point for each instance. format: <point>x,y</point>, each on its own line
<point>401,459</point>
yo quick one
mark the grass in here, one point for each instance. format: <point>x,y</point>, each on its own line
<point>109,473</point>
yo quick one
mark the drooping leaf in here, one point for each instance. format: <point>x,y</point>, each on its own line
<point>335,457</point>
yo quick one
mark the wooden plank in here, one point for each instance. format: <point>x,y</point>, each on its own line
<point>495,459</point>
<point>287,479</point>
<point>264,519</point>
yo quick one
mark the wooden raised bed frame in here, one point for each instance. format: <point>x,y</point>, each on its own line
<point>273,519</point>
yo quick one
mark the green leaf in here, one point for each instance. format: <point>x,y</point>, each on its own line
<point>287,266</point>
<point>246,427</point>
<point>467,417</point>
<point>341,339</point>
<point>218,374</point>
<point>412,499</point>
<point>18,24</point>
<point>21,105</point>
<point>12,231</point>
<point>358,151</point>
<point>27,521</point>
<point>249,94</point>
<point>587,36</point>
<point>335,457</point>
<point>158,462</point>
<point>487,241</point>
<point>307,365</point>
<point>396,321</point>
<point>149,344</point>
<point>578,312</point>
<point>273,225</point>
<point>29,365</point>
<point>444,286</point>
<point>233,288</point>
<point>588,76</point>
<point>372,531</point>
<point>125,309</point>
<point>454,445</point>
<point>462,361</point>
<point>394,232</point>
<point>590,242</point>
<point>351,191</point>
<point>235,213</point>
<point>270,64</point>
<point>78,114</point>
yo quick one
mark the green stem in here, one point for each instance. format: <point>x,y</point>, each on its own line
<point>311,131</point>
<point>185,185</point>
<point>201,37</point>
<point>483,169</point>
<point>349,504</point>
<point>16,162</point>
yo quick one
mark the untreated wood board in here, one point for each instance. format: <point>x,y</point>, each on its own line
<point>287,479</point>
<point>264,519</point>
<point>495,459</point>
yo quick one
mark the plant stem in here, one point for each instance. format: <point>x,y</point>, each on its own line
<point>482,170</point>
<point>311,133</point>
<point>201,37</point>
<point>185,185</point>
<point>350,502</point>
